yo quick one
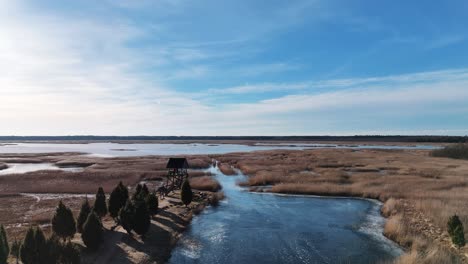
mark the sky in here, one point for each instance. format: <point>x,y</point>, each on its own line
<point>233,67</point>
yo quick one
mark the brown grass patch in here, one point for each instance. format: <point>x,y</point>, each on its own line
<point>205,183</point>
<point>226,169</point>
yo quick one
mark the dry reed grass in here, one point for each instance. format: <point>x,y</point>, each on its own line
<point>436,188</point>
<point>205,183</point>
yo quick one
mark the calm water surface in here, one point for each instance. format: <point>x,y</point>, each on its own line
<point>265,228</point>
<point>19,168</point>
<point>116,149</point>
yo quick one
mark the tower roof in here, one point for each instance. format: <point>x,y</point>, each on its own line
<point>177,163</point>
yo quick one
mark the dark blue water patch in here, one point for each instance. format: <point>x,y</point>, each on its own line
<point>256,228</point>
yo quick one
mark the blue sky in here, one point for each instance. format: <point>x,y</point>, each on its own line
<point>239,67</point>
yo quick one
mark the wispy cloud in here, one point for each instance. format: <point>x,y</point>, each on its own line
<point>73,74</point>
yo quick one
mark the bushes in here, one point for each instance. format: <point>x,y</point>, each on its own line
<point>186,194</point>
<point>457,151</point>
<point>63,223</point>
<point>84,212</point>
<point>455,230</point>
<point>100,206</point>
<point>92,231</point>
<point>4,247</point>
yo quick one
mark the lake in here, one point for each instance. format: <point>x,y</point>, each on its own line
<point>144,149</point>
<point>265,228</point>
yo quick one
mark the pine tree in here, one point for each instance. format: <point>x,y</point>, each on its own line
<point>117,200</point>
<point>152,203</point>
<point>458,237</point>
<point>41,246</point>
<point>4,247</point>
<point>100,206</point>
<point>63,223</point>
<point>142,218</point>
<point>28,253</point>
<point>33,250</point>
<point>144,192</point>
<point>186,194</point>
<point>126,216</point>
<point>453,223</point>
<point>124,191</point>
<point>136,194</point>
<point>92,231</point>
<point>84,212</point>
<point>54,249</point>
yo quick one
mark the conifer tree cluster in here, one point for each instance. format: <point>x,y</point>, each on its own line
<point>135,215</point>
<point>117,200</point>
<point>455,230</point>
<point>36,249</point>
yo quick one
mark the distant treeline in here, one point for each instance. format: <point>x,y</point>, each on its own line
<point>371,138</point>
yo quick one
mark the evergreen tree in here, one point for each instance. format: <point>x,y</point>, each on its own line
<point>124,191</point>
<point>28,253</point>
<point>63,223</point>
<point>70,254</point>
<point>136,194</point>
<point>144,192</point>
<point>4,247</point>
<point>186,194</point>
<point>54,249</point>
<point>92,231</point>
<point>453,223</point>
<point>456,231</point>
<point>100,206</point>
<point>33,250</point>
<point>41,246</point>
<point>142,218</point>
<point>152,203</point>
<point>458,237</point>
<point>84,212</point>
<point>126,216</point>
<point>117,200</point>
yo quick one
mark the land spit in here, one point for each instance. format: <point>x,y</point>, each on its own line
<point>420,192</point>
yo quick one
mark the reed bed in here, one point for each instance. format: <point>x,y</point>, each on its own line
<point>431,188</point>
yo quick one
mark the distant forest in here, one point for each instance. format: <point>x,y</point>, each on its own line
<point>369,138</point>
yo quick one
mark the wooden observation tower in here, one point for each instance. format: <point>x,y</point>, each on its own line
<point>176,174</point>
